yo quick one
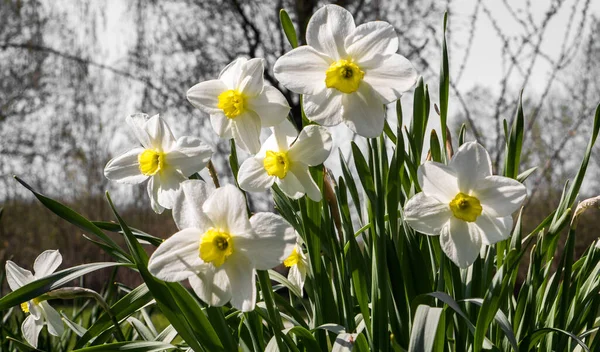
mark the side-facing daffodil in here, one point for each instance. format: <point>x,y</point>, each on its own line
<point>298,264</point>
<point>164,160</point>
<point>218,249</point>
<point>239,103</point>
<point>464,203</point>
<point>346,73</point>
<point>40,313</point>
<point>284,159</point>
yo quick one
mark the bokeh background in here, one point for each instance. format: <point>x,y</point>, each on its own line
<point>71,71</point>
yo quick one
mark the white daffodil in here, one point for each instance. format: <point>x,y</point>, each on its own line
<point>40,312</point>
<point>239,103</point>
<point>218,248</point>
<point>464,204</point>
<point>284,159</point>
<point>298,264</point>
<point>164,160</point>
<point>346,73</point>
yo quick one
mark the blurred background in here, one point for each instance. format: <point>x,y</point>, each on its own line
<point>71,71</point>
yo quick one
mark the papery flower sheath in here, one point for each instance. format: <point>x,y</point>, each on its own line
<point>161,159</point>
<point>464,203</point>
<point>284,159</point>
<point>40,312</point>
<point>218,249</point>
<point>239,103</point>
<point>346,73</point>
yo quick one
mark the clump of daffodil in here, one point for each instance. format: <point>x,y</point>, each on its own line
<point>464,204</point>
<point>161,158</point>
<point>284,159</point>
<point>346,73</point>
<point>239,103</point>
<point>40,313</point>
<point>298,265</point>
<point>218,249</point>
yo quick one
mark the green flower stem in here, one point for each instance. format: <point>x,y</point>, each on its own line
<point>267,294</point>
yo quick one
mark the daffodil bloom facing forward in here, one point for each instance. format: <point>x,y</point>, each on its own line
<point>162,159</point>
<point>218,249</point>
<point>239,103</point>
<point>40,313</point>
<point>346,73</point>
<point>464,204</point>
<point>284,159</point>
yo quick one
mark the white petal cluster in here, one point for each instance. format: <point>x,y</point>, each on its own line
<point>162,159</point>
<point>239,103</point>
<point>284,159</point>
<point>298,264</point>
<point>346,73</point>
<point>464,204</point>
<point>218,249</point>
<point>40,313</point>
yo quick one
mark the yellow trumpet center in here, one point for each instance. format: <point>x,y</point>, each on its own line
<point>232,103</point>
<point>292,259</point>
<point>216,246</point>
<point>151,161</point>
<point>276,163</point>
<point>465,207</point>
<point>25,305</point>
<point>344,75</point>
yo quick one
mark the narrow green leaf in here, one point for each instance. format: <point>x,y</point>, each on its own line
<point>135,346</point>
<point>288,28</point>
<point>424,328</point>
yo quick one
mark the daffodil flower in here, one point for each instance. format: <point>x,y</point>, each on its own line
<point>464,204</point>
<point>40,313</point>
<point>284,159</point>
<point>162,159</point>
<point>298,264</point>
<point>346,73</point>
<point>239,103</point>
<point>218,249</point>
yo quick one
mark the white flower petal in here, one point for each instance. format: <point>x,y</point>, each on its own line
<point>308,184</point>
<point>136,122</point>
<point>211,285</point>
<point>152,189</point>
<point>302,70</point>
<point>500,196</point>
<point>253,177</point>
<point>252,80</point>
<point>46,263</point>
<point>246,131</point>
<point>391,77</point>
<point>169,184</point>
<point>325,107</point>
<point>232,73</point>
<point>242,280</point>
<point>205,95</point>
<point>312,146</point>
<point>493,229</point>
<point>160,134</point>
<point>285,134</point>
<point>438,181</point>
<point>53,319</point>
<point>270,105</point>
<point>471,163</point>
<point>271,242</point>
<point>426,214</point>
<point>291,186</point>
<point>178,257</point>
<point>187,209</point>
<point>125,168</point>
<point>461,242</point>
<point>364,112</point>
<point>226,207</point>
<point>189,155</point>
<point>297,276</point>
<point>222,125</point>
<point>376,38</point>
<point>30,328</point>
<point>35,310</point>
<point>16,276</point>
<point>328,28</point>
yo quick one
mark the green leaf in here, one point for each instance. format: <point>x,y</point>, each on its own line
<point>502,321</point>
<point>514,143</point>
<point>525,174</point>
<point>288,28</point>
<point>434,147</point>
<point>444,82</point>
<point>530,341</point>
<point>424,328</point>
<point>462,134</point>
<point>136,346</point>
<point>139,234</point>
